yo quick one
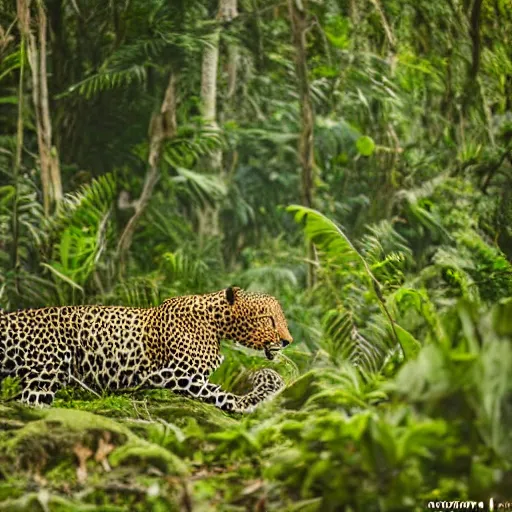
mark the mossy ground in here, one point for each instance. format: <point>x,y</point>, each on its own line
<point>142,450</point>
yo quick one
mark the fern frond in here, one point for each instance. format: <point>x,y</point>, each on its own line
<point>413,198</point>
<point>186,270</point>
<point>204,189</point>
<point>184,151</point>
<point>86,207</point>
<point>456,269</point>
<point>329,238</point>
<point>140,291</point>
<point>108,79</point>
<point>384,240</point>
<point>345,341</point>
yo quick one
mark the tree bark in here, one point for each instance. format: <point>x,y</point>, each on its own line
<point>227,12</point>
<point>162,126</point>
<point>53,160</point>
<point>387,28</point>
<point>208,218</point>
<point>36,52</point>
<point>22,24</point>
<point>232,71</point>
<point>474,67</point>
<point>474,32</point>
<point>389,35</point>
<point>209,69</point>
<point>298,18</point>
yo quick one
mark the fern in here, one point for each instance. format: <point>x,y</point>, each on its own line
<point>186,270</point>
<point>108,79</point>
<point>387,251</point>
<point>21,219</point>
<point>412,199</point>
<point>202,189</point>
<point>268,278</point>
<point>365,347</point>
<point>85,207</point>
<point>330,239</point>
<point>189,145</point>
<point>77,235</point>
<point>138,291</point>
<point>131,62</point>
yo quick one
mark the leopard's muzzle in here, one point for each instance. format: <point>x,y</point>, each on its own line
<point>271,349</point>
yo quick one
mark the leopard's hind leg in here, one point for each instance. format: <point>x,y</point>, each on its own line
<point>40,381</point>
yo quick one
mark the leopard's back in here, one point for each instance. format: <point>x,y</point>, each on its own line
<point>102,346</point>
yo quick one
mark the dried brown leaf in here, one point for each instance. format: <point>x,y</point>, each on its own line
<point>104,448</point>
<point>82,454</point>
<point>253,487</point>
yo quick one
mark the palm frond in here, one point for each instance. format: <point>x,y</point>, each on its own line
<point>86,207</point>
<point>204,189</point>
<point>108,79</point>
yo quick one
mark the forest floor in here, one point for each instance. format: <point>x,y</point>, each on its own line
<point>143,450</point>
<point>118,452</point>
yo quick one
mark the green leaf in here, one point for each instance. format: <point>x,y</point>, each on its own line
<point>502,317</point>
<point>13,100</point>
<point>365,145</point>
<point>65,278</point>
<point>410,345</point>
<point>325,72</point>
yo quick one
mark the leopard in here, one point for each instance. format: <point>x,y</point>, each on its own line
<point>175,345</point>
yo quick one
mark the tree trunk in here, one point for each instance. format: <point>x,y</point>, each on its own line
<point>227,11</point>
<point>474,66</point>
<point>36,51</point>
<point>53,160</point>
<point>299,24</point>
<point>209,89</point>
<point>162,126</point>
<point>23,24</point>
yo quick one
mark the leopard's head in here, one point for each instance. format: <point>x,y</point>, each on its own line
<point>255,320</point>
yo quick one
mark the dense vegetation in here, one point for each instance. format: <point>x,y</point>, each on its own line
<point>352,158</point>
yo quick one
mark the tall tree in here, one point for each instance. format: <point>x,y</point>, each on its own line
<point>37,55</point>
<point>299,22</point>
<point>227,11</point>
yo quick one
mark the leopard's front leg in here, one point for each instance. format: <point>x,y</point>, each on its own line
<point>265,382</point>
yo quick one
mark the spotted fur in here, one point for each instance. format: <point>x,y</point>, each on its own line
<point>174,345</point>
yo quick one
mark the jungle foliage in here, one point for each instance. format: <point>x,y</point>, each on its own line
<point>398,383</point>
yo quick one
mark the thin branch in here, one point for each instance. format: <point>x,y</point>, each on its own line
<point>53,160</point>
<point>387,28</point>
<point>82,384</point>
<point>495,169</point>
<point>162,126</point>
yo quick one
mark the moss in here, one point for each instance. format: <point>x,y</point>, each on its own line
<point>11,488</point>
<point>52,438</point>
<point>62,474</point>
<point>179,410</point>
<point>109,405</point>
<point>42,500</point>
<point>146,454</point>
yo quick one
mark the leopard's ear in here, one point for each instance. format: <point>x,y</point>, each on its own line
<point>231,294</point>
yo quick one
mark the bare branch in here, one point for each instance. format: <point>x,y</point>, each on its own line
<point>162,126</point>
